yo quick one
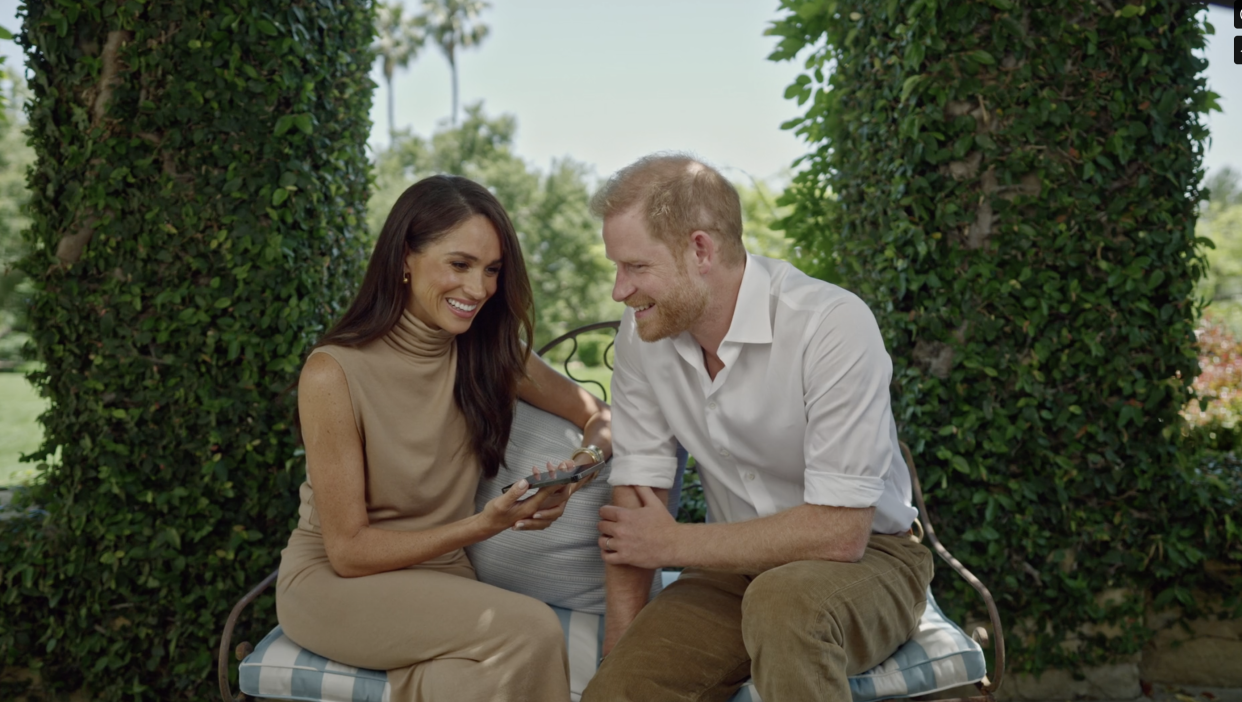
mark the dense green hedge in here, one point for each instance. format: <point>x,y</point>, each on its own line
<point>1012,186</point>
<point>197,207</point>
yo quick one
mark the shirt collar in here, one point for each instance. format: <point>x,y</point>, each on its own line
<point>752,317</point>
<point>751,323</point>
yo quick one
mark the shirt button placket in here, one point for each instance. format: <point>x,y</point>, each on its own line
<point>715,430</point>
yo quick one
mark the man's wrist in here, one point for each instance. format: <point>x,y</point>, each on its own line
<point>672,547</point>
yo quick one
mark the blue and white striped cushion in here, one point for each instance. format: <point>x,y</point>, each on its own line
<point>279,668</point>
<point>939,657</point>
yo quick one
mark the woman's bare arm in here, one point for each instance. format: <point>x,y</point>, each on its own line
<point>552,392</point>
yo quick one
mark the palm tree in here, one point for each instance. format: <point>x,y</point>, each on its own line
<point>453,25</point>
<point>400,40</point>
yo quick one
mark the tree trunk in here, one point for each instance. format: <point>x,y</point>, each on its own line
<point>1012,187</point>
<point>197,213</point>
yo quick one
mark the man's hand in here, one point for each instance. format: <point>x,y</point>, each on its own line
<point>641,536</point>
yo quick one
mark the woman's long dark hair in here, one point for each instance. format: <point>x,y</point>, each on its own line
<point>491,358</point>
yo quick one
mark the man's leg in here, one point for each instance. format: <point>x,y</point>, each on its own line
<point>684,646</point>
<point>809,625</point>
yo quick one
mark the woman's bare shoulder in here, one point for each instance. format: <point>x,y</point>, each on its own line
<point>322,372</point>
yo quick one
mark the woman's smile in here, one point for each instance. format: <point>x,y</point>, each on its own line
<point>463,309</point>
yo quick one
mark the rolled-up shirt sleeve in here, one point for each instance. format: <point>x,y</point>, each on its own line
<point>643,446</point>
<point>848,444</point>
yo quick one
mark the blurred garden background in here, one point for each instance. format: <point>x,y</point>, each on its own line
<point>1067,359</point>
<point>540,131</point>
<point>544,143</point>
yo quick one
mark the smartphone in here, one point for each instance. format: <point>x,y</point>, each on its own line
<point>561,477</point>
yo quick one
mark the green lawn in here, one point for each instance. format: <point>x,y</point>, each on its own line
<point>19,433</point>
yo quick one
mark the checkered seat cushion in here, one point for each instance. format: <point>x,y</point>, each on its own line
<point>940,656</point>
<point>280,669</point>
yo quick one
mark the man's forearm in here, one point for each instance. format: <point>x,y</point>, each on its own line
<point>803,533</point>
<point>626,589</point>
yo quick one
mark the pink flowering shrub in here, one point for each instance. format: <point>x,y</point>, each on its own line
<point>1219,386</point>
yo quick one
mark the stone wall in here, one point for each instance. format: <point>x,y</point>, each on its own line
<point>1198,660</point>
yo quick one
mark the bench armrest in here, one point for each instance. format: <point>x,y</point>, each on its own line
<point>990,683</point>
<point>244,648</point>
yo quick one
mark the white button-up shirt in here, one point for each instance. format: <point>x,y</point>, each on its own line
<point>800,412</point>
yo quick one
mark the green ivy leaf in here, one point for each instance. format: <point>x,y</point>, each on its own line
<point>959,464</point>
<point>908,86</point>
<point>283,124</point>
<point>981,56</point>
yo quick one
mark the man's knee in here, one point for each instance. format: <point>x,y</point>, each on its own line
<point>785,600</point>
<point>784,591</point>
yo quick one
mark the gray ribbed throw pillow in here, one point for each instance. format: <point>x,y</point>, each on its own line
<point>559,565</point>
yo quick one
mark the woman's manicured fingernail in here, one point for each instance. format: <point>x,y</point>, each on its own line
<point>538,515</point>
<point>519,526</point>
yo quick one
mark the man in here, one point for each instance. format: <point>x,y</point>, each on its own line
<point>777,384</point>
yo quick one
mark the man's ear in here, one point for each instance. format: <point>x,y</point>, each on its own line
<point>703,250</point>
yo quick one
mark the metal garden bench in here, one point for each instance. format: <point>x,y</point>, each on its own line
<point>939,657</point>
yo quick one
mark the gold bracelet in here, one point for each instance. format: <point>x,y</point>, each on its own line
<point>593,451</point>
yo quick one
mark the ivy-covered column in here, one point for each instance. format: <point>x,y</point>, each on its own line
<point>1012,186</point>
<point>197,212</point>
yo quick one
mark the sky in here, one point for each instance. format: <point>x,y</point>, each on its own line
<point>605,82</point>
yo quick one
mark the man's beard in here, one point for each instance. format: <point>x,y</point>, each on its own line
<point>676,312</point>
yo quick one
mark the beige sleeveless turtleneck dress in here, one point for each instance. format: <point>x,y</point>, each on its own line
<point>441,635</point>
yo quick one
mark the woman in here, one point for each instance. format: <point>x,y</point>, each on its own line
<point>402,405</point>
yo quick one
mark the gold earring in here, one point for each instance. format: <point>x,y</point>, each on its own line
<point>406,278</point>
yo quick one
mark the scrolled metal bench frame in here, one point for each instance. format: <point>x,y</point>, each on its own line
<point>990,683</point>
<point>572,336</point>
<point>987,687</point>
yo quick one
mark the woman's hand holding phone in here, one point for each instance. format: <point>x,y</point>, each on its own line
<point>534,513</point>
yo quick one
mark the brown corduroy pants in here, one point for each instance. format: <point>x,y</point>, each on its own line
<point>800,629</point>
